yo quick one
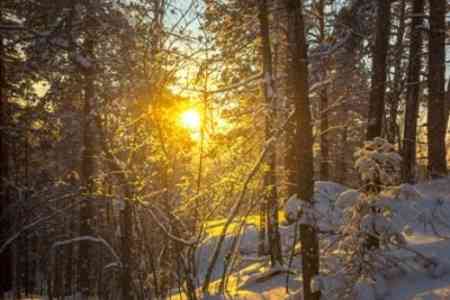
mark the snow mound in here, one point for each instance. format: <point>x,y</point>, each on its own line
<point>325,195</point>
<point>328,189</point>
<point>347,199</point>
<point>406,192</point>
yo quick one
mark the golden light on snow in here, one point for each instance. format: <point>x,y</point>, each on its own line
<point>191,119</point>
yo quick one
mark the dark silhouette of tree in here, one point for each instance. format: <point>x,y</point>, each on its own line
<point>379,69</point>
<point>270,202</point>
<point>5,257</point>
<point>413,92</point>
<point>436,120</point>
<point>305,168</point>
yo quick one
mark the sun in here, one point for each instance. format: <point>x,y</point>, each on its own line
<point>191,119</point>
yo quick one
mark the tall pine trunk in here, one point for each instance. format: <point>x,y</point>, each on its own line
<point>305,170</point>
<point>436,119</point>
<point>413,91</point>
<point>378,80</point>
<point>87,174</point>
<point>291,138</point>
<point>270,205</point>
<point>5,256</point>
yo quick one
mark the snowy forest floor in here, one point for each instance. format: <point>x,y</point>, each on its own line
<point>424,218</point>
<point>422,211</point>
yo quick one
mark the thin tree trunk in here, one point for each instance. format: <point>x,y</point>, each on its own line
<point>68,259</point>
<point>412,98</point>
<point>87,174</point>
<point>270,195</point>
<point>291,139</point>
<point>26,267</point>
<point>305,180</point>
<point>127,240</point>
<point>448,104</point>
<point>342,166</point>
<point>324,124</point>
<point>398,85</point>
<point>5,257</point>
<point>437,163</point>
<point>26,250</point>
<point>324,144</point>
<point>58,276</point>
<point>341,162</point>
<point>378,80</point>
<point>14,247</point>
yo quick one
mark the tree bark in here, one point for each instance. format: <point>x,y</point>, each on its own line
<point>448,104</point>
<point>270,196</point>
<point>341,163</point>
<point>5,257</point>
<point>305,170</point>
<point>392,127</point>
<point>127,240</point>
<point>87,174</point>
<point>436,118</point>
<point>324,124</point>
<point>68,258</point>
<point>291,135</point>
<point>378,80</point>
<point>412,97</point>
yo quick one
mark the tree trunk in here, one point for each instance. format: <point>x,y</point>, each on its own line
<point>378,80</point>
<point>68,259</point>
<point>324,124</point>
<point>270,195</point>
<point>5,257</point>
<point>341,163</point>
<point>436,118</point>
<point>127,239</point>
<point>87,174</point>
<point>398,80</point>
<point>412,97</point>
<point>305,170</point>
<point>27,250</point>
<point>324,145</point>
<point>448,104</point>
<point>291,136</point>
<point>58,275</point>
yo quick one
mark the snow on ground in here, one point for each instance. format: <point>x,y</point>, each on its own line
<point>428,220</point>
<point>423,213</point>
<point>325,197</point>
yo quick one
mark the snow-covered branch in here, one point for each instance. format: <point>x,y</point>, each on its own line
<point>91,239</point>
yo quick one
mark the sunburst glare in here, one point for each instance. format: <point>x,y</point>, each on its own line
<point>191,119</point>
